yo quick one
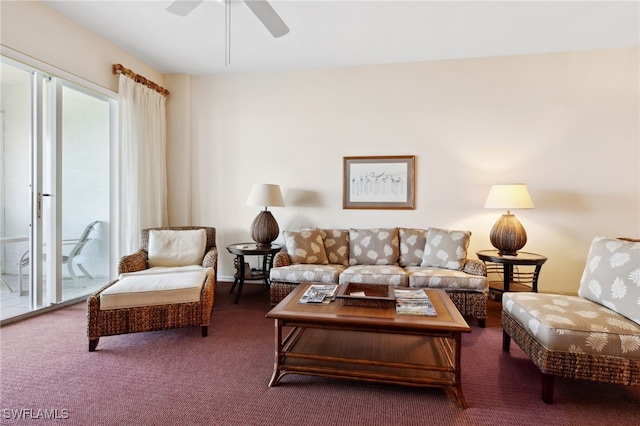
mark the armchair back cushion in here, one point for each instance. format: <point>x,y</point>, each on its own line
<point>611,276</point>
<point>375,246</point>
<point>446,249</point>
<point>176,248</point>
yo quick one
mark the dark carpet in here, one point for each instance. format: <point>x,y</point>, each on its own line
<point>178,377</point>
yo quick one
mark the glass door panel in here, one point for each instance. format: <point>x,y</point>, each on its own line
<point>85,184</point>
<point>15,179</point>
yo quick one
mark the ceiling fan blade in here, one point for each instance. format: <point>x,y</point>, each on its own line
<point>183,7</point>
<point>269,18</point>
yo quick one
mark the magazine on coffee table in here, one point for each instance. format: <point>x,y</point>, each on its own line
<point>319,293</point>
<point>414,302</point>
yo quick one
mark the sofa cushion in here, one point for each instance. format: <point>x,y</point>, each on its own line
<point>612,276</point>
<point>336,245</point>
<point>169,247</point>
<point>446,249</point>
<point>375,246</point>
<point>138,290</point>
<point>306,273</point>
<point>573,324</point>
<point>412,242</point>
<point>305,246</point>
<point>374,274</point>
<point>448,279</point>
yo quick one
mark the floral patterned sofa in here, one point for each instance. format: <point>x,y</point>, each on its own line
<point>404,257</point>
<point>595,335</point>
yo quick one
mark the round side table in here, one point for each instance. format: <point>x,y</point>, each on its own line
<point>509,261</point>
<point>240,250</point>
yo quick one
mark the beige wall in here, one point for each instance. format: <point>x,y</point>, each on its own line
<point>565,124</point>
<point>179,153</point>
<point>37,31</point>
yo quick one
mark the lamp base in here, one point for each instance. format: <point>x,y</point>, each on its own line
<point>264,229</point>
<point>508,235</point>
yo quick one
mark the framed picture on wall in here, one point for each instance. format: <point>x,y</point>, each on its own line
<point>386,182</point>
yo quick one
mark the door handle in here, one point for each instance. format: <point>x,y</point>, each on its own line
<point>39,207</point>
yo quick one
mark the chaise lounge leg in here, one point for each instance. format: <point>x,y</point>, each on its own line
<point>481,322</point>
<point>506,341</point>
<point>547,388</point>
<point>205,331</point>
<point>93,344</point>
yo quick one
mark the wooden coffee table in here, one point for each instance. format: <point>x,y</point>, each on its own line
<point>370,344</point>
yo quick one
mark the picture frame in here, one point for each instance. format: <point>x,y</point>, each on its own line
<point>379,182</point>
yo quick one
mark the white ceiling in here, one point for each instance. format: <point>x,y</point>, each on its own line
<point>347,33</point>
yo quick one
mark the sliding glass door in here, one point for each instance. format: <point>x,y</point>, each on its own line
<point>56,187</point>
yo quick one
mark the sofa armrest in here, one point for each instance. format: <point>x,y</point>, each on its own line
<point>211,259</point>
<point>475,267</point>
<point>281,259</point>
<point>133,262</point>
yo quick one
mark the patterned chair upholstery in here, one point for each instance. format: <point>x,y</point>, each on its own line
<point>159,302</point>
<point>595,335</point>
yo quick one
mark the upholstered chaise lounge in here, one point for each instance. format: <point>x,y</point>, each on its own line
<point>593,336</point>
<point>168,283</point>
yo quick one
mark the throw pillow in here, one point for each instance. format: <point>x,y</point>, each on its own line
<point>446,249</point>
<point>176,248</point>
<point>611,276</point>
<point>336,245</point>
<point>377,246</point>
<point>412,242</point>
<point>305,246</point>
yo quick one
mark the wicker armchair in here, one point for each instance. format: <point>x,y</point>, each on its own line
<point>157,317</point>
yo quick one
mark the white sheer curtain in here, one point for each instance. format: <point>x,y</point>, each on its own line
<point>142,162</point>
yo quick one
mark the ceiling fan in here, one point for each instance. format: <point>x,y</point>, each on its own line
<point>261,8</point>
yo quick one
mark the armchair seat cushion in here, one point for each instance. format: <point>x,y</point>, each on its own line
<point>144,289</point>
<point>374,274</point>
<point>163,270</point>
<point>306,273</point>
<point>448,279</point>
<point>574,324</point>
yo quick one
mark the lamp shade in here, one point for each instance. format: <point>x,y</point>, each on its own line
<point>511,196</point>
<point>264,194</point>
<point>508,234</point>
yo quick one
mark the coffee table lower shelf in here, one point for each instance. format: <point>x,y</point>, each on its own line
<point>405,359</point>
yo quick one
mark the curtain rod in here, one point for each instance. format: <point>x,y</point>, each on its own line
<point>119,69</point>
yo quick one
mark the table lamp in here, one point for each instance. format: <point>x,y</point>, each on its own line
<point>264,228</point>
<point>508,234</point>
